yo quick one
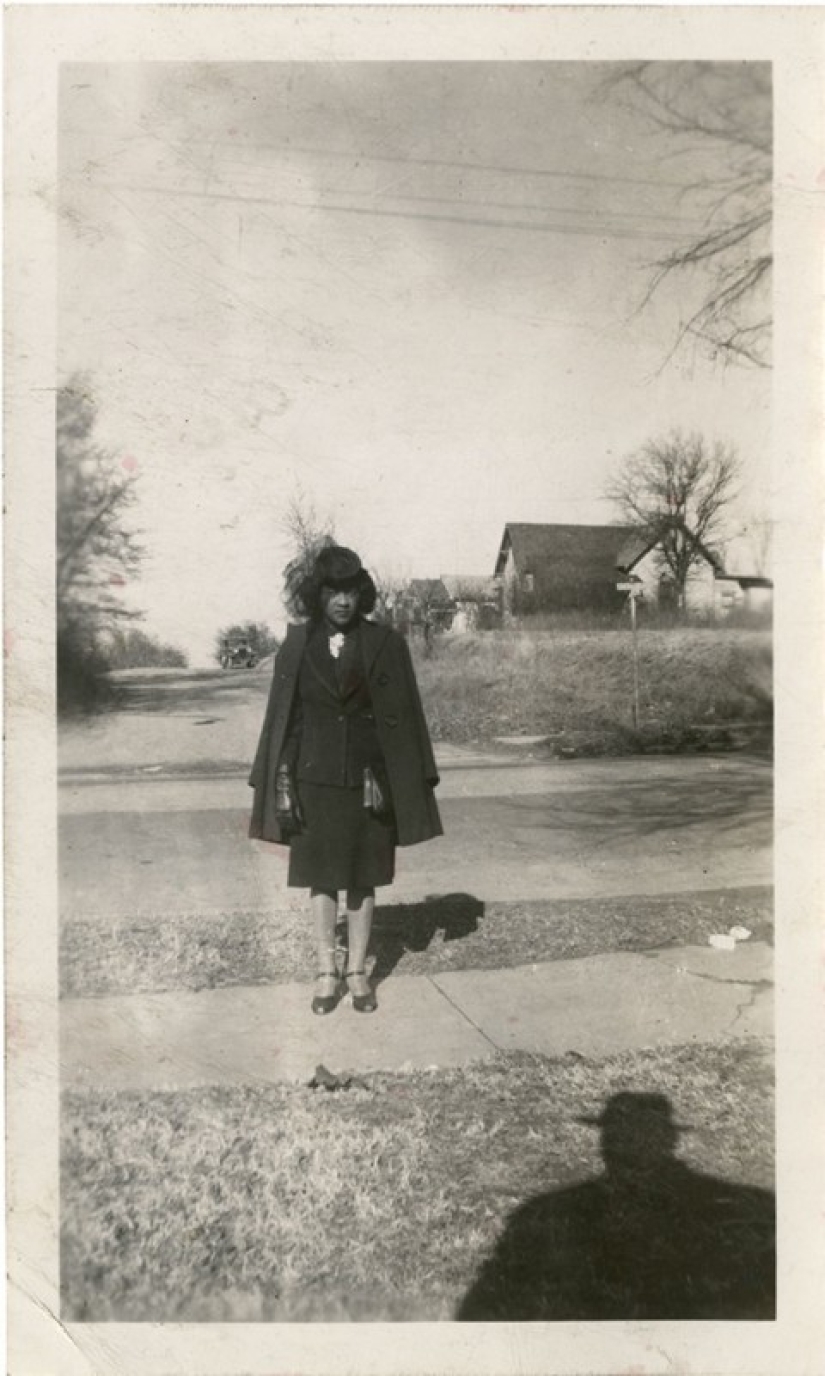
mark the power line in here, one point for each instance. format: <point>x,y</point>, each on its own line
<point>541,206</point>
<point>563,174</point>
<point>358,158</point>
<point>601,230</point>
<point>575,231</point>
<point>644,217</point>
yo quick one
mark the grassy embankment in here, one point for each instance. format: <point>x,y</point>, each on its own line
<point>576,687</point>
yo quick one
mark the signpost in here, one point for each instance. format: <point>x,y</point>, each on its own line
<point>635,590</point>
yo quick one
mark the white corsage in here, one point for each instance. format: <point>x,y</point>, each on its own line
<point>336,643</point>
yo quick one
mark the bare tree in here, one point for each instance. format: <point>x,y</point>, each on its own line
<point>306,529</point>
<point>391,583</point>
<point>676,491</point>
<point>307,532</point>
<point>723,110</point>
<point>96,550</point>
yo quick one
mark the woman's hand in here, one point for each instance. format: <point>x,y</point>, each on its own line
<point>376,794</point>
<point>287,807</point>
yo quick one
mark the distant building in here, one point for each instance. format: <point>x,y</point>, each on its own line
<point>750,593</point>
<point>424,603</point>
<point>640,559</point>
<point>560,567</point>
<point>546,567</point>
<point>477,601</point>
<point>453,602</point>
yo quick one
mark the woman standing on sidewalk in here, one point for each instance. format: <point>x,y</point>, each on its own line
<point>344,770</point>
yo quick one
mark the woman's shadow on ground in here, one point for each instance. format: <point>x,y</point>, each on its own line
<point>412,926</point>
<point>648,1239</point>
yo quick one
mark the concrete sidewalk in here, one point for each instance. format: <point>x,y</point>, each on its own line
<point>594,1006</point>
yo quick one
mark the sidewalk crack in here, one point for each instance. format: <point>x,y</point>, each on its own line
<point>465,1016</point>
<point>745,1007</point>
<point>759,982</point>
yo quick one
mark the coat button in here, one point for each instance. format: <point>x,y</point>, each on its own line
<point>383,680</point>
<point>391,721</point>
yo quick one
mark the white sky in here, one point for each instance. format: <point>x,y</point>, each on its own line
<point>410,288</point>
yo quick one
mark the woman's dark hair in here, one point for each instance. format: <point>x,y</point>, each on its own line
<point>334,565</point>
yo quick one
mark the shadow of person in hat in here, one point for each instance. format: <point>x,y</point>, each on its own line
<point>650,1238</point>
<point>412,927</point>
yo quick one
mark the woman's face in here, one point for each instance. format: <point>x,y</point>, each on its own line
<point>340,604</point>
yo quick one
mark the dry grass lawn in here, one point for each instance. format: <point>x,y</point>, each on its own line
<point>204,951</point>
<point>478,686</point>
<point>382,1202</point>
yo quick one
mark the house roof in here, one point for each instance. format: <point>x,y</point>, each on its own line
<point>635,547</point>
<point>431,590</point>
<point>562,550</point>
<point>469,586</point>
<point>639,544</point>
<point>541,547</point>
<point>745,580</point>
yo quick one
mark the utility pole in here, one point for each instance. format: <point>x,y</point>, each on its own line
<point>634,590</point>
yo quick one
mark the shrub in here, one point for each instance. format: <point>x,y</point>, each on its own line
<point>83,684</point>
<point>135,649</point>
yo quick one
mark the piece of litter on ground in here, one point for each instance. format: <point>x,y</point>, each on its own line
<point>721,941</point>
<point>739,933</point>
<point>327,1079</point>
<point>152,768</point>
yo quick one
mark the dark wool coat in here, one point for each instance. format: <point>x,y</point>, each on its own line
<point>399,719</point>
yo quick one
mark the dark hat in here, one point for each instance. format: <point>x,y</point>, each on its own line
<point>331,566</point>
<point>627,1108</point>
<point>336,564</point>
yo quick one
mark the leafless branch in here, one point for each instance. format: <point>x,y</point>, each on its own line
<point>726,107</point>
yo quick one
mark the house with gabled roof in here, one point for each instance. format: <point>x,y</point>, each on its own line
<point>552,567</point>
<point>560,567</point>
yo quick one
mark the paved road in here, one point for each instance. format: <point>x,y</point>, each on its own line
<point>145,844</point>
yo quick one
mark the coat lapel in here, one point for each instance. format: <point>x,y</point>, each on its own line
<point>296,639</point>
<point>371,635</point>
<point>351,674</point>
<point>372,638</point>
<point>319,661</point>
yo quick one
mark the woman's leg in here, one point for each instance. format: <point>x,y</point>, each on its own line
<point>324,914</point>
<point>360,909</point>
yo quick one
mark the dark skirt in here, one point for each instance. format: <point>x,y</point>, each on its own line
<point>342,845</point>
